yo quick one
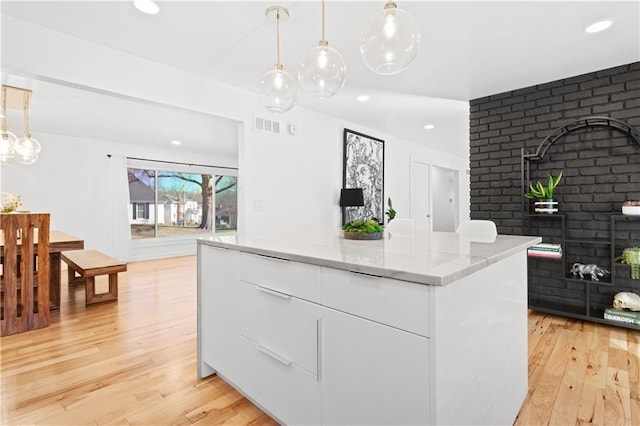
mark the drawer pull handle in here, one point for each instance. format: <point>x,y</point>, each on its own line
<point>282,360</point>
<point>272,258</point>
<point>273,293</point>
<point>362,274</point>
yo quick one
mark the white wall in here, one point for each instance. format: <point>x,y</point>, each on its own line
<point>297,178</point>
<point>70,180</point>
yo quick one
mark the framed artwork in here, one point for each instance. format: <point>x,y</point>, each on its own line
<point>363,167</point>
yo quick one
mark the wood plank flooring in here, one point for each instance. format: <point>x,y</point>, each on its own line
<point>134,362</point>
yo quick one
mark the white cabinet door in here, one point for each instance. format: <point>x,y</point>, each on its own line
<point>288,392</point>
<point>219,311</point>
<point>372,373</point>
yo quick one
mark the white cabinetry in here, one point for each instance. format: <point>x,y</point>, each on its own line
<point>219,337</point>
<point>312,344</point>
<point>372,374</point>
<point>280,336</point>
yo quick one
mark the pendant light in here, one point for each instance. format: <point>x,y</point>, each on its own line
<point>27,147</point>
<point>322,71</point>
<point>278,90</point>
<point>8,141</point>
<point>390,40</point>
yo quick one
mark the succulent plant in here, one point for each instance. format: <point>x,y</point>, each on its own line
<point>364,226</point>
<point>541,191</point>
<point>631,256</point>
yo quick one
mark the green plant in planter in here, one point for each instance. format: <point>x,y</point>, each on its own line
<point>541,191</point>
<point>363,226</point>
<point>631,256</point>
<point>391,213</point>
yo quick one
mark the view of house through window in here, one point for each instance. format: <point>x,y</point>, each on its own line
<point>167,203</point>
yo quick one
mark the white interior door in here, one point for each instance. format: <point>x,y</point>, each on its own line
<point>445,199</point>
<point>420,205</point>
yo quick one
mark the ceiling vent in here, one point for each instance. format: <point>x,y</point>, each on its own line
<point>263,125</point>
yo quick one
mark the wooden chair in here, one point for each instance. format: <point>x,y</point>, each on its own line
<point>24,285</point>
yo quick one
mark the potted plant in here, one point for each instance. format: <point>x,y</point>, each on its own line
<point>362,230</point>
<point>631,256</point>
<point>544,194</point>
<point>391,213</point>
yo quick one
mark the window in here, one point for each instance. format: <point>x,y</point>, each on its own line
<point>168,203</point>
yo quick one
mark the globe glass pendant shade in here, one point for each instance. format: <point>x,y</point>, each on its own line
<point>26,150</point>
<point>390,41</point>
<point>7,147</point>
<point>278,90</point>
<point>322,71</point>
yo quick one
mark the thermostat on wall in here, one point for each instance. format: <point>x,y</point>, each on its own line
<point>293,128</point>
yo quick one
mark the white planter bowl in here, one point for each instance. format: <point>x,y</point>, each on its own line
<point>631,210</point>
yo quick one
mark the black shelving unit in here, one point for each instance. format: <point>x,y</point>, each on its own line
<point>595,296</point>
<point>552,287</point>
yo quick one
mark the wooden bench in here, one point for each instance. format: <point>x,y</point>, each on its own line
<point>91,263</point>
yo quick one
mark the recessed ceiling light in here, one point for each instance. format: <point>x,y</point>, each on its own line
<point>598,26</point>
<point>429,126</point>
<point>146,6</point>
<point>362,98</point>
<point>176,143</point>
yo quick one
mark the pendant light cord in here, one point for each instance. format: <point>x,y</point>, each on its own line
<point>278,37</point>
<point>323,21</point>
<point>26,97</point>
<point>4,110</point>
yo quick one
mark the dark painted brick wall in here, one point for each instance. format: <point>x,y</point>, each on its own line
<point>601,167</point>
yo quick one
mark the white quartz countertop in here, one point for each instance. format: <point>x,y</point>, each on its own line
<point>434,258</point>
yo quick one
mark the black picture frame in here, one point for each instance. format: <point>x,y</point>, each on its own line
<point>363,167</point>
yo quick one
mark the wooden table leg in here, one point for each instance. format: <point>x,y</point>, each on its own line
<point>54,281</point>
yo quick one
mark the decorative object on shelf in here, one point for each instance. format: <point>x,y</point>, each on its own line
<point>553,251</point>
<point>350,197</point>
<point>544,194</point>
<point>10,203</point>
<point>362,230</point>
<point>628,300</point>
<point>631,256</point>
<point>615,314</point>
<point>389,41</point>
<point>363,167</point>
<point>391,213</point>
<point>278,90</point>
<point>24,150</point>
<point>631,208</point>
<point>322,71</point>
<point>594,271</point>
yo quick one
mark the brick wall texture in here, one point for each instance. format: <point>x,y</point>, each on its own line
<point>601,169</point>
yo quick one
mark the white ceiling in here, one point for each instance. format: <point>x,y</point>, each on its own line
<point>65,110</point>
<point>469,49</point>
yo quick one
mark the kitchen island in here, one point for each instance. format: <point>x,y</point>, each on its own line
<point>315,329</point>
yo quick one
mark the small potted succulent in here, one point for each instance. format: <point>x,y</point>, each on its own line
<point>362,230</point>
<point>543,193</point>
<point>631,256</point>
<point>391,213</point>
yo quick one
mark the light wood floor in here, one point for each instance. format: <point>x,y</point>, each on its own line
<point>134,362</point>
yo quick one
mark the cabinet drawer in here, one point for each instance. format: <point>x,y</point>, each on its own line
<point>288,392</point>
<point>297,279</point>
<point>396,303</point>
<point>282,323</point>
